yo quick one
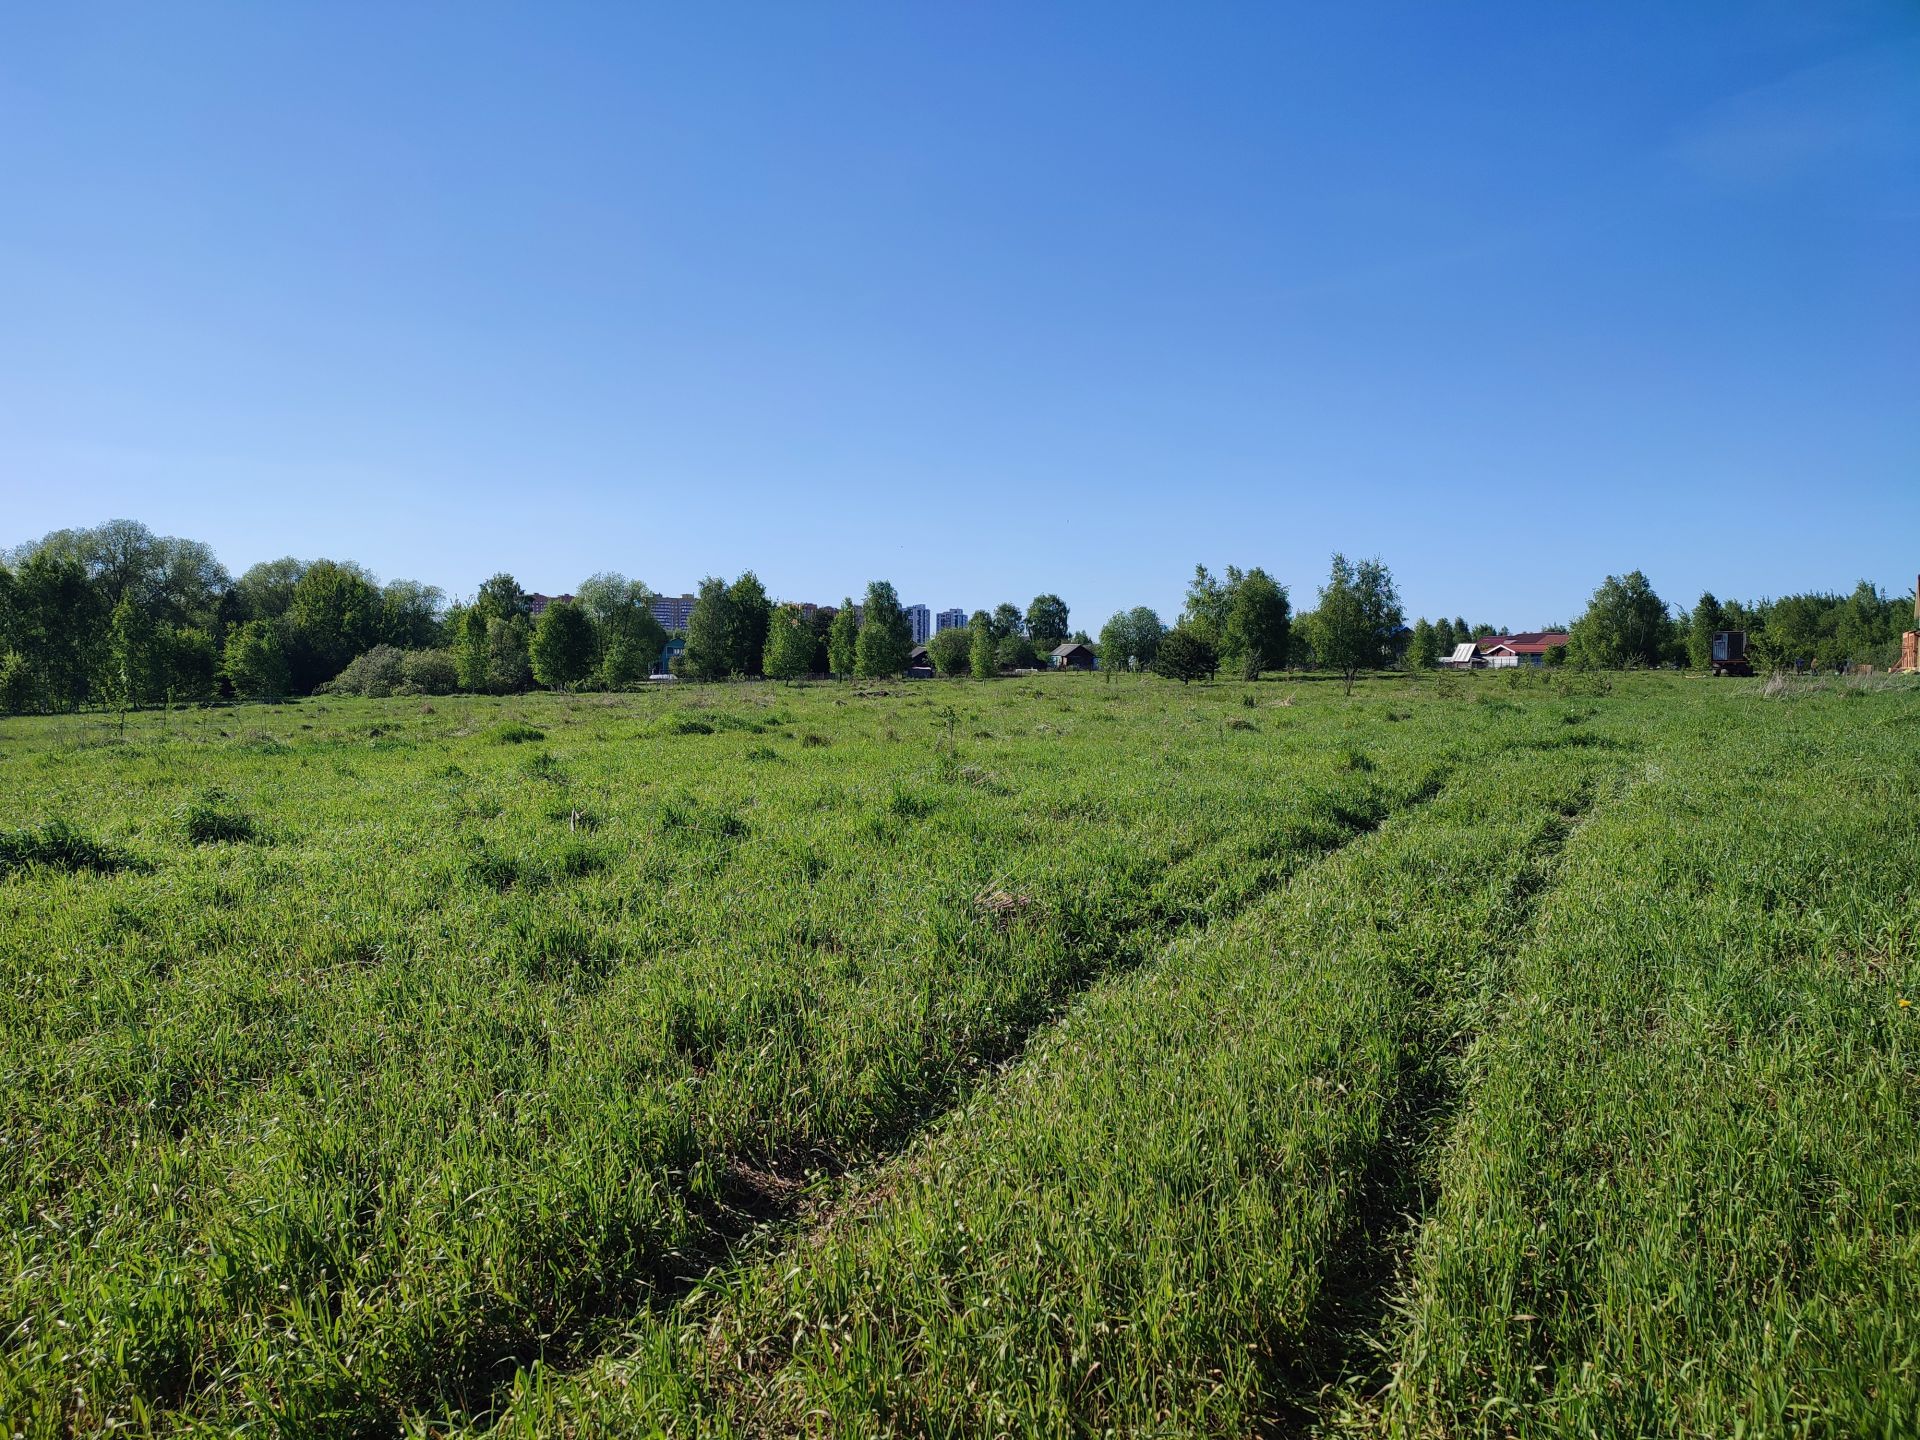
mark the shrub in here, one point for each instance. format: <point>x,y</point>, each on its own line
<point>378,672</point>
<point>428,672</point>
<point>1184,656</point>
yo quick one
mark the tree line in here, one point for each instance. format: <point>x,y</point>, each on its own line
<point>1626,625</point>
<point>116,615</point>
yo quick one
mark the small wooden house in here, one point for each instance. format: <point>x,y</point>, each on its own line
<point>1070,657</point>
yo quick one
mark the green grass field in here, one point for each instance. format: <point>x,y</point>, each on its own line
<point>1477,1055</point>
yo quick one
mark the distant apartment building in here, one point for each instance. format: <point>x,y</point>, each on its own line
<point>921,619</point>
<point>672,611</point>
<point>536,603</point>
<point>950,620</point>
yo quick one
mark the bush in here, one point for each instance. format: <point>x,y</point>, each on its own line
<point>1184,656</point>
<point>379,673</point>
<point>428,672</point>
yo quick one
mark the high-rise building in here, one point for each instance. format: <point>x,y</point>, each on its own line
<point>950,620</point>
<point>920,618</point>
<point>672,611</point>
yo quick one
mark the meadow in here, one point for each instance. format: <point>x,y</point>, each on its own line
<point>1475,1055</point>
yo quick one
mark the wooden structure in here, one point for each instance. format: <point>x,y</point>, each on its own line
<point>1070,657</point>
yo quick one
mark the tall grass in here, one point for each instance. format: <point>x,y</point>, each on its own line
<point>1683,1200</point>
<point>1022,1058</point>
<point>349,1126</point>
<point>1162,1220</point>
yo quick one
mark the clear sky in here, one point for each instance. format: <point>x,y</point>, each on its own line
<point>985,299</point>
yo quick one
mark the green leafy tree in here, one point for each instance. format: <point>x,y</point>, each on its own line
<point>843,640</point>
<point>1625,625</point>
<point>1130,640</point>
<point>982,647</point>
<point>19,693</point>
<point>789,647</point>
<point>170,580</point>
<point>562,650</point>
<point>193,663</point>
<point>749,612</point>
<point>256,661</point>
<point>501,598</point>
<point>1147,630</point>
<point>886,635</point>
<point>509,667</point>
<point>951,651</point>
<point>1007,620</point>
<point>1205,615</point>
<point>335,614</point>
<point>1257,622</point>
<point>410,614</point>
<point>1016,652</point>
<point>60,627</point>
<point>820,625</point>
<point>266,590</point>
<point>1421,650</point>
<point>1355,622</point>
<point>469,629</point>
<point>9,610</point>
<point>1866,628</point>
<point>1047,622</point>
<point>1443,638</point>
<point>136,669</point>
<point>710,632</point>
<point>627,637</point>
<point>1186,656</point>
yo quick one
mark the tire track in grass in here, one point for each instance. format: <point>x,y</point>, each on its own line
<point>1681,1201</point>
<point>1136,1229</point>
<point>760,1205</point>
<point>756,1198</point>
<point>1362,1293</point>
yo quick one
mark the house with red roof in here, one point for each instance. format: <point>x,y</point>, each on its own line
<point>1502,652</point>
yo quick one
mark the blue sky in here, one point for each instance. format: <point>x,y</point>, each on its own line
<point>985,299</point>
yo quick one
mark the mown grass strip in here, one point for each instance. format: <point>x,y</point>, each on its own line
<point>1685,1197</point>
<point>1137,1230</point>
